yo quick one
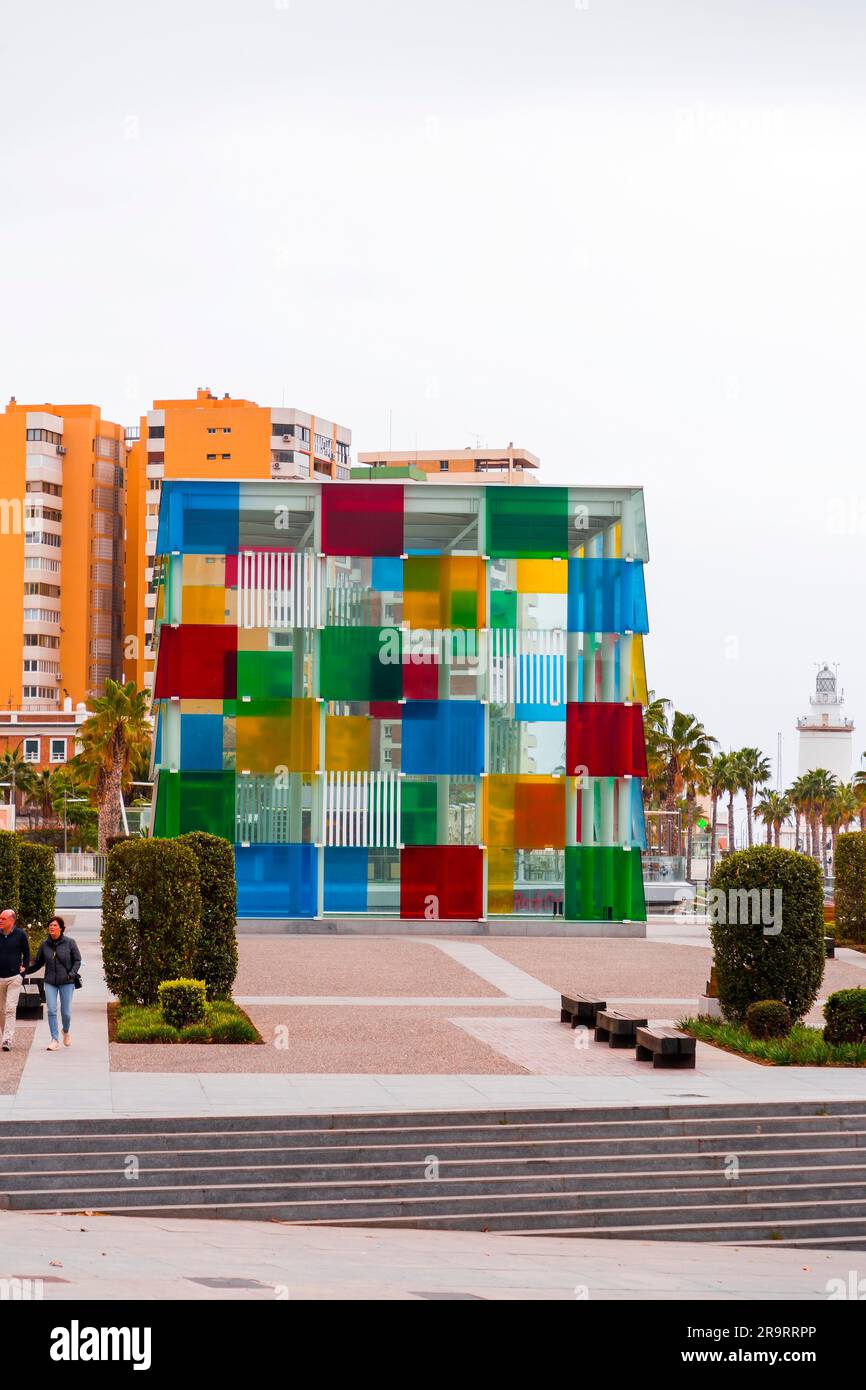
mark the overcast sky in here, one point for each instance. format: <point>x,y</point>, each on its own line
<point>628,236</point>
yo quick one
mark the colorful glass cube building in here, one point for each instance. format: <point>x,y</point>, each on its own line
<point>418,701</point>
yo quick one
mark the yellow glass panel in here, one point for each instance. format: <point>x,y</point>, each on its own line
<point>542,577</point>
<point>500,880</point>
<point>280,734</point>
<point>204,569</point>
<point>253,639</point>
<point>203,604</point>
<point>347,743</point>
<point>638,691</point>
<point>498,811</point>
<point>422,608</point>
<point>201,707</point>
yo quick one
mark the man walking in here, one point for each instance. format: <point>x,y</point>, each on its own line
<point>14,963</point>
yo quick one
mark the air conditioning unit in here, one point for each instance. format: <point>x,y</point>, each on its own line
<point>61,448</point>
<point>276,466</point>
<point>286,438</point>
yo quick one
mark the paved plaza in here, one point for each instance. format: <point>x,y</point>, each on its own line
<point>92,1257</point>
<point>384,1023</point>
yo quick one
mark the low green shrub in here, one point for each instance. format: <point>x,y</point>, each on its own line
<point>147,1033</point>
<point>195,1033</point>
<point>182,1002</point>
<point>803,1047</point>
<point>845,1016</point>
<point>233,1030</point>
<point>768,1018</point>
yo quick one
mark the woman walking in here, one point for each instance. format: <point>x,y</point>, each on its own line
<point>61,958</point>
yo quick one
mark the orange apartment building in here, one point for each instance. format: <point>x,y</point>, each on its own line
<point>216,437</point>
<point>62,499</point>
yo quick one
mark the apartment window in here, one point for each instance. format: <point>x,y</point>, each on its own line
<point>39,639</point>
<point>211,429</point>
<point>45,436</point>
<point>41,615</point>
<point>443,465</point>
<point>225,456</point>
<point>283,456</point>
<point>156,431</point>
<point>342,452</point>
<point>227,429</point>
<point>36,562</point>
<point>41,538</point>
<point>49,590</point>
<point>211,457</point>
<point>54,489</point>
<point>302,433</point>
<point>31,745</point>
<point>58,750</point>
<point>36,512</point>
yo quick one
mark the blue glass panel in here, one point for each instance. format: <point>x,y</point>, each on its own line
<point>542,678</point>
<point>345,879</point>
<point>201,742</point>
<point>387,573</point>
<point>157,737</point>
<point>606,596</point>
<point>276,880</point>
<point>198,518</point>
<point>443,736</point>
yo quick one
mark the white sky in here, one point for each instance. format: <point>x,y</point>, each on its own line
<point>626,235</point>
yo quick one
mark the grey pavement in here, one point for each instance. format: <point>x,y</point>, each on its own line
<point>109,1257</point>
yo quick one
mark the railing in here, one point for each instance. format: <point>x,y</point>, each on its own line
<point>80,867</point>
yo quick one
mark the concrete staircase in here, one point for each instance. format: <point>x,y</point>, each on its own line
<point>653,1173</point>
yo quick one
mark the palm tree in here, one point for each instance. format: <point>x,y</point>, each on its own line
<point>17,773</point>
<point>819,787</point>
<point>655,724</point>
<point>688,754</point>
<point>860,789</point>
<point>40,793</point>
<point>754,770</point>
<point>113,741</point>
<point>842,808</point>
<point>797,795</point>
<point>716,786</point>
<point>730,784</point>
<point>773,809</point>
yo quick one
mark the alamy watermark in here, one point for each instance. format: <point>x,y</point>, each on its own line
<point>736,907</point>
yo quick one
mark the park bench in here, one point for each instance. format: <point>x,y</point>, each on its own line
<point>579,1010</point>
<point>665,1047</point>
<point>617,1029</point>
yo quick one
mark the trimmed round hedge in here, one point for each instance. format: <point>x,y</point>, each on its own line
<point>37,891</point>
<point>845,1016</point>
<point>752,966</point>
<point>768,1018</point>
<point>151,909</point>
<point>849,886</point>
<point>216,960</point>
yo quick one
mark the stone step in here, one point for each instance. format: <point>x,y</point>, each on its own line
<point>503,1142</point>
<point>566,1207</point>
<point>600,1116</point>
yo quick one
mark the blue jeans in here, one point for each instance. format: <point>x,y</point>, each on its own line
<point>65,993</point>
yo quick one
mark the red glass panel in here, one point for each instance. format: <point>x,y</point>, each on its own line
<point>231,571</point>
<point>441,882</point>
<point>605,740</point>
<point>386,709</point>
<point>421,680</point>
<point>197,662</point>
<point>362,519</point>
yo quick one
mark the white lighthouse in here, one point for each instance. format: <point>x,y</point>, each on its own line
<point>826,736</point>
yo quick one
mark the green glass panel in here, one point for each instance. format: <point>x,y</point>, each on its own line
<point>265,675</point>
<point>207,802</point>
<point>464,609</point>
<point>361,663</point>
<point>166,815</point>
<point>527,524</point>
<point>503,608</point>
<point>603,883</point>
<point>421,573</point>
<point>418,820</point>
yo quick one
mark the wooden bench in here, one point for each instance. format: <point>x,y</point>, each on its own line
<point>665,1047</point>
<point>580,1011</point>
<point>617,1029</point>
